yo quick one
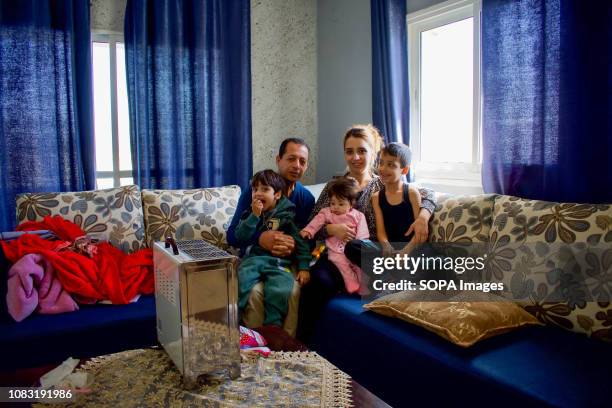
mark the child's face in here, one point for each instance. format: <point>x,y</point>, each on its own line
<point>266,195</point>
<point>390,169</point>
<point>339,206</point>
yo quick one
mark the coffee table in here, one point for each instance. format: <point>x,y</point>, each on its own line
<point>28,377</point>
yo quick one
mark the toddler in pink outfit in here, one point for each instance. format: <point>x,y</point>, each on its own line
<point>343,193</point>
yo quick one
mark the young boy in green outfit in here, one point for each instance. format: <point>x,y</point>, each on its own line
<point>270,210</point>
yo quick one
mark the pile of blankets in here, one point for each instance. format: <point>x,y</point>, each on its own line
<point>54,276</point>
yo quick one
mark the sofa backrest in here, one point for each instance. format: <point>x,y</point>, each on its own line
<point>462,219</point>
<point>203,213</point>
<point>114,214</point>
<point>556,259</point>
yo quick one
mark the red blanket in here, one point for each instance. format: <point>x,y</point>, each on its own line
<point>109,274</point>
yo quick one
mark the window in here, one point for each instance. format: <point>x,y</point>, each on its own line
<point>111,115</point>
<point>444,58</point>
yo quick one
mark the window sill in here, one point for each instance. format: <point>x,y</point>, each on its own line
<point>451,186</point>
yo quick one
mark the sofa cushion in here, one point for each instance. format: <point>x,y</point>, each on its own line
<point>91,331</point>
<point>114,214</point>
<point>462,320</point>
<point>203,213</point>
<point>462,219</point>
<point>402,363</point>
<point>556,260</point>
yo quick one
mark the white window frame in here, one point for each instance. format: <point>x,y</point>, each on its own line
<point>461,177</point>
<point>112,38</point>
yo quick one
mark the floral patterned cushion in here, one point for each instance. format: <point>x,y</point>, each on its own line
<point>190,214</point>
<point>556,260</point>
<point>114,214</point>
<point>462,219</point>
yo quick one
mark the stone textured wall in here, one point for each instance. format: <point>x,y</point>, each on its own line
<point>284,78</point>
<point>107,15</point>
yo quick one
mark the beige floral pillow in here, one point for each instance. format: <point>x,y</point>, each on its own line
<point>114,214</point>
<point>462,219</point>
<point>190,214</point>
<point>556,260</point>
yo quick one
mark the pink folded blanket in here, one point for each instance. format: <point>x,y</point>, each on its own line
<point>32,286</point>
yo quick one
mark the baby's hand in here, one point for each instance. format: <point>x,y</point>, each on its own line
<point>257,207</point>
<point>305,234</point>
<point>303,277</point>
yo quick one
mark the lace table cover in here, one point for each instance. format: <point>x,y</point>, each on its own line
<point>148,378</point>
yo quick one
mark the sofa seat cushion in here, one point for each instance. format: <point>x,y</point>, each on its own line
<point>204,213</point>
<point>114,214</point>
<point>91,331</point>
<point>402,363</point>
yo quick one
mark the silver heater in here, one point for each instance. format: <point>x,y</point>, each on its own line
<point>196,292</point>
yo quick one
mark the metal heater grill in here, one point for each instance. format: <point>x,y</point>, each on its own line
<point>201,250</point>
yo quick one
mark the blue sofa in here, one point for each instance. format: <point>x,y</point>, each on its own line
<point>406,365</point>
<point>128,221</point>
<point>401,363</point>
<point>91,331</point>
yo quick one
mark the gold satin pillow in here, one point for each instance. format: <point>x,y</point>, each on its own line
<point>461,322</point>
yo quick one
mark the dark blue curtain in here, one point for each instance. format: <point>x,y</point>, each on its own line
<point>390,93</point>
<point>547,99</point>
<point>46,113</point>
<point>189,90</point>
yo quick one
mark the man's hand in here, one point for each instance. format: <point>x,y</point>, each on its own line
<point>420,229</point>
<point>279,244</point>
<point>257,207</point>
<point>341,231</point>
<point>303,277</point>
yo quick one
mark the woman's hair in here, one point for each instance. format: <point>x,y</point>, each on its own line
<point>344,188</point>
<point>368,132</point>
<point>371,135</point>
<point>268,178</point>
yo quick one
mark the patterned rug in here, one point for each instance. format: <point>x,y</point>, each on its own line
<point>148,378</point>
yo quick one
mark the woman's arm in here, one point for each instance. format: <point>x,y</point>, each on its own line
<point>428,201</point>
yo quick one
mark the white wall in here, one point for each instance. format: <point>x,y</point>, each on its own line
<point>344,64</point>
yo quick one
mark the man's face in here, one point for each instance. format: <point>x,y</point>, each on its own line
<point>294,162</point>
